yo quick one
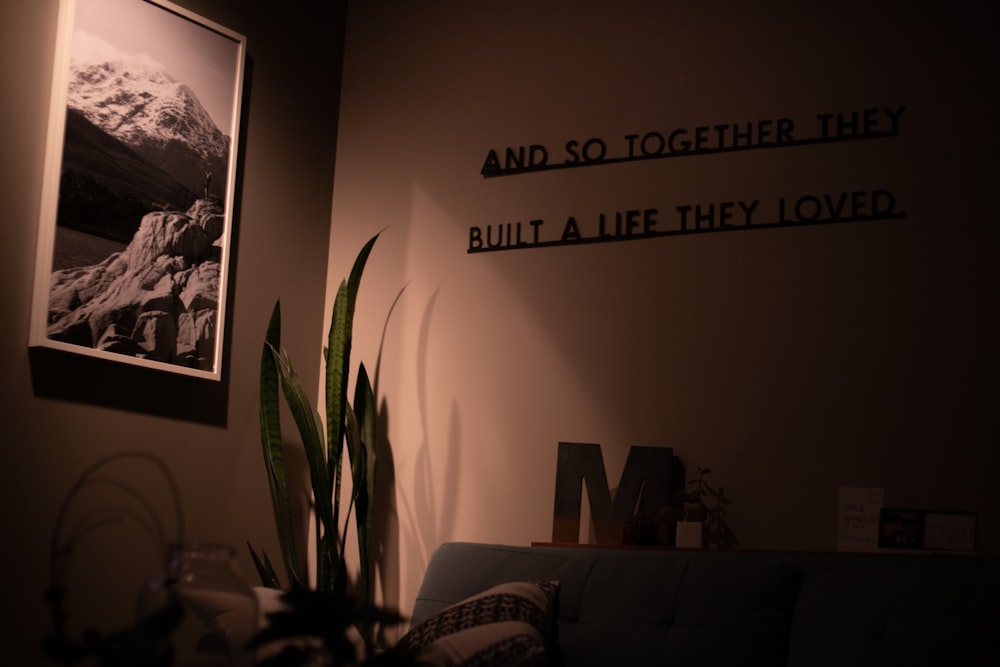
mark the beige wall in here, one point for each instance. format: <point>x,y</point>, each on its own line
<point>793,361</point>
<point>69,415</point>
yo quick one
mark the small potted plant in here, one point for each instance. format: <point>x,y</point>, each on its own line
<point>706,504</point>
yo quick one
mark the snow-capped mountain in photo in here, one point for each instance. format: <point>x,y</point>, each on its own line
<point>158,117</point>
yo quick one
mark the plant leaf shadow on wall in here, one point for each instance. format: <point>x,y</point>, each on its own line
<point>430,513</point>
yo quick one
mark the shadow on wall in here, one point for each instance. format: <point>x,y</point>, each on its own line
<point>429,514</point>
<point>385,529</point>
<point>81,379</point>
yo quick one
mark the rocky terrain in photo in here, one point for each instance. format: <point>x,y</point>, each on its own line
<point>158,299</point>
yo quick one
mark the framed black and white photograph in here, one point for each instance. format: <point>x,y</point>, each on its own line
<point>138,189</point>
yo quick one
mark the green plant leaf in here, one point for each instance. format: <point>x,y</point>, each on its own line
<point>338,358</point>
<point>265,570</point>
<point>311,431</point>
<point>351,437</point>
<point>271,443</point>
<point>364,476</point>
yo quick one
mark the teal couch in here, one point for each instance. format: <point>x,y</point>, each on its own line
<point>636,607</point>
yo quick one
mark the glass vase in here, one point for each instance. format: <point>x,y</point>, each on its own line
<point>220,610</point>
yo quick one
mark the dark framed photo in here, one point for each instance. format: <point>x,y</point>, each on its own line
<point>928,530</point>
<point>901,529</point>
<point>138,189</point>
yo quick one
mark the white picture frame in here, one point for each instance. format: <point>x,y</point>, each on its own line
<point>138,194</point>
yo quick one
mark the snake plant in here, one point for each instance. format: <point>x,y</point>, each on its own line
<point>350,426</point>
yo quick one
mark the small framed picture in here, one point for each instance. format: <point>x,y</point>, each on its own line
<point>927,530</point>
<point>901,529</point>
<point>138,189</point>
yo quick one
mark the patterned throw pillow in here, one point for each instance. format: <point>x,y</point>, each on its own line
<point>506,625</point>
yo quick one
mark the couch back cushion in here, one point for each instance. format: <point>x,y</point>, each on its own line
<point>668,608</point>
<point>634,607</point>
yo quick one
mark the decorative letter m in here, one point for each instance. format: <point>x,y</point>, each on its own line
<point>647,472</point>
